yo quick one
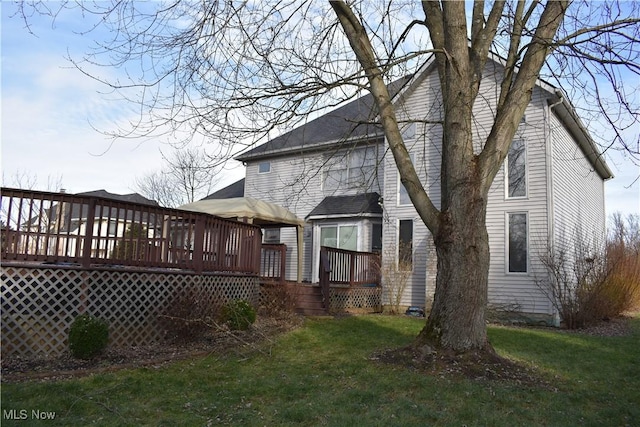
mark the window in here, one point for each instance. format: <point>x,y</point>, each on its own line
<point>405,244</point>
<point>340,236</point>
<point>355,170</point>
<point>403,195</point>
<point>264,167</point>
<point>516,170</point>
<point>272,235</point>
<point>376,237</point>
<point>517,242</point>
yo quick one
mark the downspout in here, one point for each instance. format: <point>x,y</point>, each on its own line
<point>550,193</point>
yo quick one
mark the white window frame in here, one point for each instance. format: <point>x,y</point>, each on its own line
<point>408,132</point>
<point>526,172</point>
<point>356,225</point>
<point>268,164</point>
<point>507,244</point>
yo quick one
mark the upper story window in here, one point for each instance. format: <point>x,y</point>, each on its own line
<point>264,167</point>
<point>355,169</point>
<point>112,228</point>
<point>516,167</point>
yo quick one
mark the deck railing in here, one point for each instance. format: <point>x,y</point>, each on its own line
<point>347,268</point>
<point>273,262</point>
<point>65,228</point>
<point>351,267</point>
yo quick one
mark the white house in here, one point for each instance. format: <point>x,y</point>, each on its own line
<point>335,172</point>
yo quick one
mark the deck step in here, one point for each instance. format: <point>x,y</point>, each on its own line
<point>309,301</point>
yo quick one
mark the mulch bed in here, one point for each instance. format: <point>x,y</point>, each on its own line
<point>477,365</point>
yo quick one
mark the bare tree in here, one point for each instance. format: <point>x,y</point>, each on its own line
<point>29,181</point>
<point>187,176</point>
<point>239,70</point>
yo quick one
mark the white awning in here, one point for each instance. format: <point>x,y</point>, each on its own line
<point>255,211</point>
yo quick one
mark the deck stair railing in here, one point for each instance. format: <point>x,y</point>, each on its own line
<point>347,268</point>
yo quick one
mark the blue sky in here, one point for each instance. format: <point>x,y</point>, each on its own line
<point>50,109</point>
<point>50,113</point>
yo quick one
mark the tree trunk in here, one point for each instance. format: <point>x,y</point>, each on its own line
<point>457,318</point>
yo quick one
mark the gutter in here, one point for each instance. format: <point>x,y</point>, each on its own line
<point>566,113</point>
<point>371,138</point>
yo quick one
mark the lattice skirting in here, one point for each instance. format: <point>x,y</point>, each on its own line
<point>39,304</point>
<point>356,299</point>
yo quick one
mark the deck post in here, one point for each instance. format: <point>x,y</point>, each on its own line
<point>283,264</point>
<point>325,271</point>
<point>352,268</point>
<point>198,245</point>
<point>88,237</point>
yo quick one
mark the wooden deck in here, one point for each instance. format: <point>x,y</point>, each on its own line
<point>89,232</point>
<point>93,231</point>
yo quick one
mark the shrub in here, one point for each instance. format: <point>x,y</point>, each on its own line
<point>277,300</point>
<point>587,283</point>
<point>88,336</point>
<point>623,255</point>
<point>238,314</point>
<point>188,315</point>
<point>396,276</point>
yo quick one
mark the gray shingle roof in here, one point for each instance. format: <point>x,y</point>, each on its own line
<point>133,197</point>
<point>350,121</point>
<point>359,204</point>
<point>78,209</point>
<point>229,192</point>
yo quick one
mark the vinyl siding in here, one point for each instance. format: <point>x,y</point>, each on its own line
<point>578,192</point>
<point>421,103</point>
<point>519,290</point>
<point>512,290</point>
<point>562,191</point>
<point>295,183</point>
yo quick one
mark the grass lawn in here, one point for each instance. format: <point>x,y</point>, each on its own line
<point>322,374</point>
